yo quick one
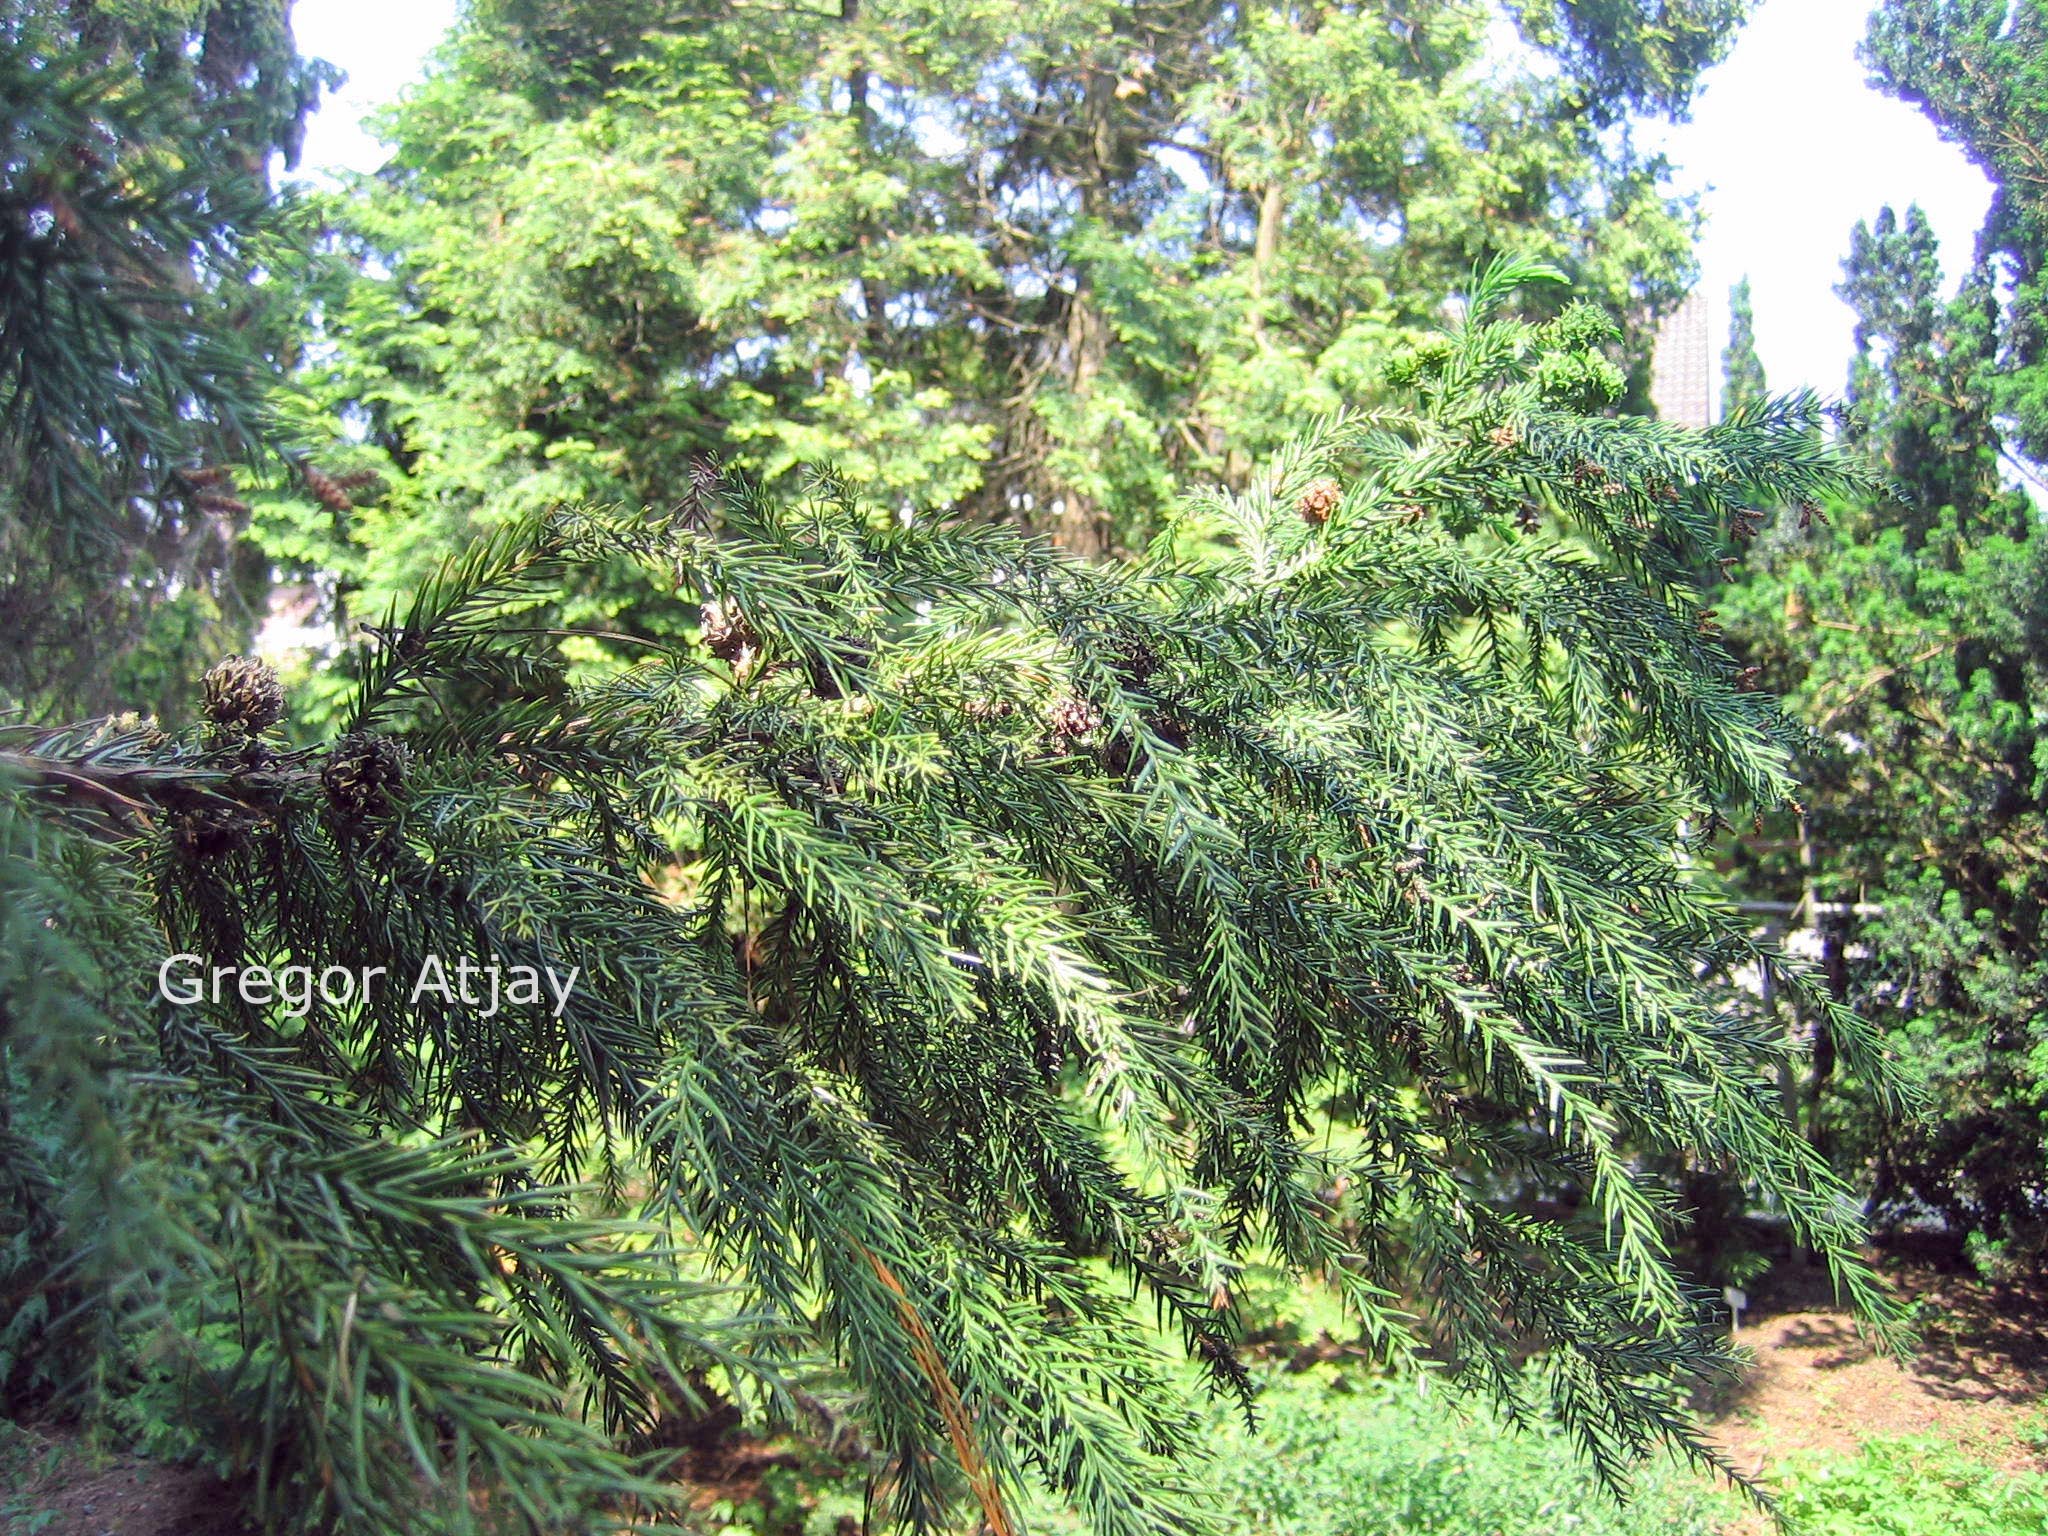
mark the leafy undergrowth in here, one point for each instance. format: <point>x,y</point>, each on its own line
<point>1911,1488</point>
<point>1340,1457</point>
<point>1341,1452</point>
<point>1338,1454</point>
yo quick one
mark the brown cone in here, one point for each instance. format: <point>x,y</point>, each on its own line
<point>243,694</point>
<point>1319,500</point>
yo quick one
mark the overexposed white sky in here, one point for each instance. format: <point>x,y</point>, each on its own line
<point>383,44</point>
<point>1790,147</point>
<point>1787,142</point>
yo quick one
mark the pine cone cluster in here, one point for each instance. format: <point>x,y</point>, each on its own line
<point>852,657</point>
<point>1120,751</point>
<point>1504,436</point>
<point>1746,524</point>
<point>364,775</point>
<point>727,634</point>
<point>1072,718</point>
<point>211,488</point>
<point>242,693</point>
<point>1319,501</point>
<point>985,708</point>
<point>1134,662</point>
<point>334,492</point>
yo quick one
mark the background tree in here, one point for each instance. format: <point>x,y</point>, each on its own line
<point>1910,634</point>
<point>1979,69</point>
<point>1742,371</point>
<point>1627,56</point>
<point>135,210</point>
<point>1047,266</point>
<point>1911,637</point>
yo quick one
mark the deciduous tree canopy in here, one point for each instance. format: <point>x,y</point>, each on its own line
<point>1046,264</point>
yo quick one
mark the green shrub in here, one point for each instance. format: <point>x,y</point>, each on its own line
<point>1385,1460</point>
<point>1336,1456</point>
<point>1901,1487</point>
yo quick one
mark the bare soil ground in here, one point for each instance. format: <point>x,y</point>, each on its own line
<point>1978,1379</point>
<point>86,1495</point>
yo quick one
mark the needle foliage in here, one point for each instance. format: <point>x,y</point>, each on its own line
<point>141,332</point>
<point>970,942</point>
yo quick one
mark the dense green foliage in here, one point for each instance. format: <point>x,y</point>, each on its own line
<point>1046,265</point>
<point>135,347</point>
<point>1348,1454</point>
<point>1629,55</point>
<point>1896,1487</point>
<point>1979,69</point>
<point>947,913</point>
<point>971,941</point>
<point>1341,1457</point>
<point>1742,371</point>
<point>1912,635</point>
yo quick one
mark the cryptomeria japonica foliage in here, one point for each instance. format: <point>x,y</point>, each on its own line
<point>144,318</point>
<point>968,940</point>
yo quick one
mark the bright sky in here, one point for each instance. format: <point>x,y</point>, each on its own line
<point>1791,147</point>
<point>1788,143</point>
<point>382,44</point>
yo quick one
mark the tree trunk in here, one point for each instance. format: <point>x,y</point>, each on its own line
<point>872,298</point>
<point>1082,526</point>
<point>1272,204</point>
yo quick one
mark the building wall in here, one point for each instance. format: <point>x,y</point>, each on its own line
<point>1682,369</point>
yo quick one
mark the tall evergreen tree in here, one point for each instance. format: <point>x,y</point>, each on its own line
<point>1911,634</point>
<point>1919,388</point>
<point>1047,266</point>
<point>1979,69</point>
<point>943,912</point>
<point>1915,648</point>
<point>135,348</point>
<point>1742,371</point>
